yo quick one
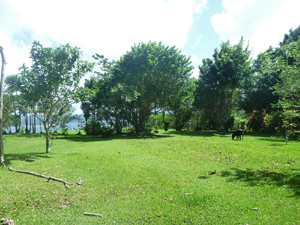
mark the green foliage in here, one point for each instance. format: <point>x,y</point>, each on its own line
<point>257,92</point>
<point>182,106</point>
<point>291,37</point>
<point>240,120</point>
<point>22,131</point>
<point>103,98</point>
<point>51,82</point>
<point>148,77</point>
<point>162,121</point>
<point>257,120</point>
<point>93,128</point>
<point>288,87</point>
<point>166,125</point>
<point>65,131</point>
<point>220,79</point>
<point>259,89</point>
<point>97,128</point>
<point>182,117</point>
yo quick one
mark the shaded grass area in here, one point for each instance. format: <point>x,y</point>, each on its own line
<point>170,178</point>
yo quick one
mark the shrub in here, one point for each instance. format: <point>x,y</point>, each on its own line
<point>65,131</point>
<point>166,125</point>
<point>257,120</point>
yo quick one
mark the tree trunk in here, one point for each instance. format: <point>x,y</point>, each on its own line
<point>41,128</point>
<point>34,124</point>
<point>26,123</point>
<point>20,120</point>
<point>30,122</point>
<point>48,137</point>
<point>2,160</point>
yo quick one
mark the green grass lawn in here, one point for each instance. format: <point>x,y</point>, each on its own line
<point>171,178</point>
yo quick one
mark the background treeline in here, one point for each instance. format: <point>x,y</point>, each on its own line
<point>151,87</point>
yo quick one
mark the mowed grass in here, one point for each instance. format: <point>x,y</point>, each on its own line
<point>171,178</point>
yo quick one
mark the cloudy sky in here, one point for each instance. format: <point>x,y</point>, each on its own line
<point>111,27</point>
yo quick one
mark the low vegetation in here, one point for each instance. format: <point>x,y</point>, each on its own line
<point>170,178</point>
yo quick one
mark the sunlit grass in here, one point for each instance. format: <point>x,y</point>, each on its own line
<point>172,178</point>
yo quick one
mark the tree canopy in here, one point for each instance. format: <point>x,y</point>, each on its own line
<point>51,81</point>
<point>148,77</point>
<point>220,78</point>
<point>155,79</point>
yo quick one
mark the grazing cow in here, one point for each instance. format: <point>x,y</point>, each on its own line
<point>239,134</point>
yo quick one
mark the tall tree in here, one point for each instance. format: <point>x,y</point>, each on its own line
<point>52,80</point>
<point>220,78</point>
<point>257,93</point>
<point>293,36</point>
<point>182,104</point>
<point>107,98</point>
<point>288,87</point>
<point>149,76</point>
<point>2,159</point>
<point>17,101</point>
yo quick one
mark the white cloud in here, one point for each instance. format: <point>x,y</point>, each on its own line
<point>263,23</point>
<point>107,27</point>
<point>15,57</point>
<point>200,6</point>
<point>198,41</point>
<point>196,62</point>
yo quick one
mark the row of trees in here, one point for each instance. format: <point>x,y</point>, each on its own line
<point>152,82</point>
<point>232,86</point>
<point>148,80</point>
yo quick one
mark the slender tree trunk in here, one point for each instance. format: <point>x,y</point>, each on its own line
<point>86,122</point>
<point>16,124</point>
<point>26,123</point>
<point>41,128</point>
<point>48,137</point>
<point>34,124</point>
<point>20,120</point>
<point>30,122</point>
<point>2,160</point>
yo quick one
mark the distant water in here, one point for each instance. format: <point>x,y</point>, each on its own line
<point>73,125</point>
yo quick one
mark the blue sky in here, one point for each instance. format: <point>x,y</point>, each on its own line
<point>196,27</point>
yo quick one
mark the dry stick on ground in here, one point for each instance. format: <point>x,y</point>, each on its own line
<point>40,175</point>
<point>92,214</point>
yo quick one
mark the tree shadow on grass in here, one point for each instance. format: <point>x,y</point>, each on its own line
<point>83,138</point>
<point>37,135</point>
<point>27,157</point>
<point>209,133</point>
<point>203,177</point>
<point>265,177</point>
<point>97,138</point>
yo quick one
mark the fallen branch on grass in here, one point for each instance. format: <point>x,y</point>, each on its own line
<point>40,175</point>
<point>92,214</point>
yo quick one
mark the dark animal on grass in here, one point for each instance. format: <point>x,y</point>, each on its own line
<point>239,134</point>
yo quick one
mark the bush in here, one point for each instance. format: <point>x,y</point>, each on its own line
<point>257,120</point>
<point>166,125</point>
<point>65,131</point>
<point>95,128</point>
<point>240,120</point>
<point>274,124</point>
